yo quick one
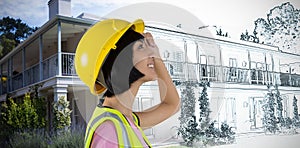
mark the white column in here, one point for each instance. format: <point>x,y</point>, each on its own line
<point>59,48</point>
<point>185,69</point>
<point>41,57</point>
<point>23,65</point>
<point>198,62</point>
<point>60,91</point>
<point>220,75</point>
<point>249,69</point>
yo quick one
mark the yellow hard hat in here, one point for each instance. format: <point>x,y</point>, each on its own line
<point>95,45</point>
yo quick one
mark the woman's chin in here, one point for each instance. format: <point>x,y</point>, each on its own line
<point>150,78</point>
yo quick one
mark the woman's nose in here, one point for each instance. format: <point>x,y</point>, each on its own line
<point>150,51</point>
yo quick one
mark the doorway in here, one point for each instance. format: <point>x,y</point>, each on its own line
<point>256,112</point>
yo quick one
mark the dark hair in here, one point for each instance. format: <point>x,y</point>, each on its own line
<point>118,69</point>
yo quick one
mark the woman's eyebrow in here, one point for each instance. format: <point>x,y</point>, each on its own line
<point>141,40</point>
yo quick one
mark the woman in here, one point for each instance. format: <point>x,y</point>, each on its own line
<point>115,57</point>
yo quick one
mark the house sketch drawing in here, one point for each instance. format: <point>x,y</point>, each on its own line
<point>238,72</point>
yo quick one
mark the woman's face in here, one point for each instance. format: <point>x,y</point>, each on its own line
<point>143,60</point>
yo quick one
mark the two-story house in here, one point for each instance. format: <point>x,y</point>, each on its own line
<point>238,71</point>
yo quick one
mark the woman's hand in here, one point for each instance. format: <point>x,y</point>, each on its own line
<point>151,44</point>
<point>170,102</point>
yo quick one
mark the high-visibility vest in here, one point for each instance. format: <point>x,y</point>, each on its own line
<point>127,138</point>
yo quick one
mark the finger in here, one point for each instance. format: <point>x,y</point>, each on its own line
<point>146,38</point>
<point>149,39</point>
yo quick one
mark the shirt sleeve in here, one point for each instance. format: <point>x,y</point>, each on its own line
<point>105,136</point>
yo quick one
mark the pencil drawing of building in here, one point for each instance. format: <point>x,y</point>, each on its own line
<point>238,72</point>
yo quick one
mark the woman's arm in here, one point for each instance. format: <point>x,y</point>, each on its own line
<point>170,101</point>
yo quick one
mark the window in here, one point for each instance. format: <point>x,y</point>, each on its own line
<point>211,68</point>
<point>256,112</point>
<point>178,64</point>
<point>203,66</point>
<point>232,67</point>
<point>207,66</point>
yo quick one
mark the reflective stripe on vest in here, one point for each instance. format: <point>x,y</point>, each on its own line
<point>126,136</point>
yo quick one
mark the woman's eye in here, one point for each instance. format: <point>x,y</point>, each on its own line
<point>141,46</point>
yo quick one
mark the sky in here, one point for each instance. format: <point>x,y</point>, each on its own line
<point>232,16</point>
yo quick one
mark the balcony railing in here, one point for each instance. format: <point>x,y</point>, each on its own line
<point>17,81</point>
<point>68,68</point>
<point>232,75</point>
<point>32,74</point>
<point>175,69</point>
<point>235,75</point>
<point>209,73</point>
<point>290,79</point>
<point>50,67</point>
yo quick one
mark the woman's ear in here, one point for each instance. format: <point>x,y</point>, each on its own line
<point>99,88</point>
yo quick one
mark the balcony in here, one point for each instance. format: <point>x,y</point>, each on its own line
<point>290,79</point>
<point>223,74</point>
<point>177,70</point>
<point>32,74</point>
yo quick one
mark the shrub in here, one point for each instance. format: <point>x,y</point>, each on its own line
<point>20,116</point>
<point>40,104</point>
<point>40,139</point>
<point>227,135</point>
<point>72,139</point>
<point>33,139</point>
<point>62,113</point>
<point>189,131</point>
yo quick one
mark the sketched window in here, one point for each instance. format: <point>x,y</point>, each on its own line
<point>259,68</point>
<point>232,66</point>
<point>203,65</point>
<point>253,70</point>
<point>211,68</point>
<point>178,64</point>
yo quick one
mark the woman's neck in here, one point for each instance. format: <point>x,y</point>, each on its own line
<point>123,102</point>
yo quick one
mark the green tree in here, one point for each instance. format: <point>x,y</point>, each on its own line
<point>281,28</point>
<point>12,32</point>
<point>6,45</point>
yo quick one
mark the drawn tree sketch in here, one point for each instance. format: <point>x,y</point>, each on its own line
<point>281,28</point>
